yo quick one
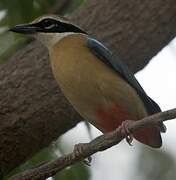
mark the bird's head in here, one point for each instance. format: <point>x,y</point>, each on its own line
<point>48,29</point>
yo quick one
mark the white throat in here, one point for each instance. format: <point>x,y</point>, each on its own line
<point>50,39</point>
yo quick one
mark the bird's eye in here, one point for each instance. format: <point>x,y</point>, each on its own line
<point>48,24</point>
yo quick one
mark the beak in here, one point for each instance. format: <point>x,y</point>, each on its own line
<point>25,29</point>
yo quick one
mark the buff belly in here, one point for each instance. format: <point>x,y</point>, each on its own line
<point>97,92</point>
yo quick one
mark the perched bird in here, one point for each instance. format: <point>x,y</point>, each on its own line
<point>98,85</point>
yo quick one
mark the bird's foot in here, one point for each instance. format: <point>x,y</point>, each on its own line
<point>124,129</point>
<point>78,151</point>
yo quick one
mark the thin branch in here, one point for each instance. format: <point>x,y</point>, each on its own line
<point>100,143</point>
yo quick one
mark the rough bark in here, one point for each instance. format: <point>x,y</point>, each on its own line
<point>33,111</point>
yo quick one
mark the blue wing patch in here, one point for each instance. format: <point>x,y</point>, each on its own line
<point>100,51</point>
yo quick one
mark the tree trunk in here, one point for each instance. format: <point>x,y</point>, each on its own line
<point>33,111</point>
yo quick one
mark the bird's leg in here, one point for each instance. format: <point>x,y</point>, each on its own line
<point>78,151</point>
<point>124,129</point>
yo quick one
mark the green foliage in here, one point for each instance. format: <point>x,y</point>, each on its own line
<point>44,155</point>
<point>15,12</point>
<point>22,11</point>
<point>75,172</point>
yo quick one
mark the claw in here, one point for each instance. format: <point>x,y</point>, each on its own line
<point>78,151</point>
<point>88,161</point>
<point>129,139</point>
<point>124,128</point>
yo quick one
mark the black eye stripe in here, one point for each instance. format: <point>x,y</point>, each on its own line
<point>48,23</point>
<point>51,25</point>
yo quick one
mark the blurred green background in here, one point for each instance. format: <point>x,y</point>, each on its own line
<point>149,164</point>
<point>20,11</point>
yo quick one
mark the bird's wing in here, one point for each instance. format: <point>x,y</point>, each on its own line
<point>102,53</point>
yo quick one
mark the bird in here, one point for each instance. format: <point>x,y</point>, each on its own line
<point>95,81</point>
